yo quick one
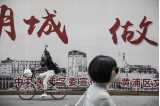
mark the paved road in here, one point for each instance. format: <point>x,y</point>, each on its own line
<point>12,100</point>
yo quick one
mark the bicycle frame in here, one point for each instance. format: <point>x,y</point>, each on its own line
<point>34,84</point>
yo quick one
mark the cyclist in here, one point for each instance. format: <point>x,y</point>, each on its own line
<point>52,69</point>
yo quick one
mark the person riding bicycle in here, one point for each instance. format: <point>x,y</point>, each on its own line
<point>52,69</point>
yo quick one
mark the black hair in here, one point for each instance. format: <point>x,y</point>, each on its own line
<point>100,68</point>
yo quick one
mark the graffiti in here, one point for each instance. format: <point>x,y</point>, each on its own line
<point>31,22</point>
<point>47,27</point>
<point>7,20</point>
<point>48,24</point>
<point>128,36</point>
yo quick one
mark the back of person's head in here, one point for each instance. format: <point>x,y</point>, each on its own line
<point>46,52</point>
<point>101,67</point>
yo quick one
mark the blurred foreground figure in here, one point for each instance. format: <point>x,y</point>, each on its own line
<point>102,70</point>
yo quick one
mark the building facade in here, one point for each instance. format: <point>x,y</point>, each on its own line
<point>77,62</point>
<point>9,69</point>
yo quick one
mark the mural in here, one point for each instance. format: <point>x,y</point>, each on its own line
<point>75,33</point>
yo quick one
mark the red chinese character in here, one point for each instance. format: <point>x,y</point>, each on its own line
<point>136,83</point>
<point>144,25</point>
<point>113,30</point>
<point>83,82</point>
<point>7,21</point>
<point>156,83</point>
<point>72,82</point>
<point>18,81</point>
<point>61,81</point>
<point>127,35</point>
<point>146,82</point>
<point>31,22</point>
<point>52,80</point>
<point>52,27</point>
<point>28,80</point>
<point>125,82</point>
<point>39,83</point>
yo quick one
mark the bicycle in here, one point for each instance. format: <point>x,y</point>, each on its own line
<point>29,88</point>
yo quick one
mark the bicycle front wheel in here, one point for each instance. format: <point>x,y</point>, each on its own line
<point>58,94</point>
<point>26,91</point>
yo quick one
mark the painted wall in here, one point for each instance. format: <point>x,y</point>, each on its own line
<point>87,25</point>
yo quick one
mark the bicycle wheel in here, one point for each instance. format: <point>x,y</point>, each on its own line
<point>58,93</point>
<point>26,91</point>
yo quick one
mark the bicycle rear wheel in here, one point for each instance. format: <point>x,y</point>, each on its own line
<point>26,91</point>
